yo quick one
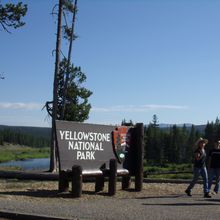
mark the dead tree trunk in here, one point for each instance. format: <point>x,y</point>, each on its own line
<point>69,60</point>
<point>53,158</point>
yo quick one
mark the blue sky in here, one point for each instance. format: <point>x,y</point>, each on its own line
<point>141,57</point>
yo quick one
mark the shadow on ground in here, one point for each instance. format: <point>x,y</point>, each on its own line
<point>48,193</point>
<point>181,204</point>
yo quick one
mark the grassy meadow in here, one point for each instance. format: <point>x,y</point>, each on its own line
<point>9,152</point>
<point>168,171</point>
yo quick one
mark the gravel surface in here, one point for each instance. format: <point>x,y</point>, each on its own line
<point>156,201</point>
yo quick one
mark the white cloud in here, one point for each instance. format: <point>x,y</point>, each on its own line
<point>140,108</point>
<point>118,108</point>
<point>181,107</point>
<point>20,105</point>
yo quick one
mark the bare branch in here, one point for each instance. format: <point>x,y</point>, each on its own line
<point>64,15</point>
<point>53,51</point>
<point>49,106</point>
<point>2,24</point>
<point>54,13</point>
<point>62,53</point>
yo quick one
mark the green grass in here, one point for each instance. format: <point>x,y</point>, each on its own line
<point>171,176</point>
<point>16,152</point>
<point>169,168</point>
<point>10,168</point>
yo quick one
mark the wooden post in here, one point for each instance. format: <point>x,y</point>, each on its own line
<point>76,181</point>
<point>99,183</point>
<point>140,151</point>
<point>63,182</point>
<point>112,177</point>
<point>126,182</point>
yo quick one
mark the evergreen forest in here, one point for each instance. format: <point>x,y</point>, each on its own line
<point>13,136</point>
<point>175,144</point>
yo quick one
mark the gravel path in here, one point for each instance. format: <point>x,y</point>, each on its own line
<point>156,201</point>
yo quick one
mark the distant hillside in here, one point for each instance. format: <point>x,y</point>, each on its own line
<point>199,128</point>
<point>41,132</point>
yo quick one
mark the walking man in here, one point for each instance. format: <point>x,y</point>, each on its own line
<point>214,167</point>
<point>199,168</point>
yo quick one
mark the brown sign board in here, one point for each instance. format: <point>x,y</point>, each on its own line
<point>88,145</point>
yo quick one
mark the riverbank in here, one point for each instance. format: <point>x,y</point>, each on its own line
<point>10,152</point>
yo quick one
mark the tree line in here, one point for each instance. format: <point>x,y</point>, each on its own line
<point>176,144</point>
<point>15,137</point>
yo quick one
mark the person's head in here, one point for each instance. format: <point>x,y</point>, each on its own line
<point>201,142</point>
<point>217,144</point>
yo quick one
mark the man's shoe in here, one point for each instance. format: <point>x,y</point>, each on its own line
<point>207,195</point>
<point>188,192</point>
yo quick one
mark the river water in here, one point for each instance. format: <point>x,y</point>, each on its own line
<point>31,164</point>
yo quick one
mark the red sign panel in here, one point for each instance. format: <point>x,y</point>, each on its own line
<point>121,141</point>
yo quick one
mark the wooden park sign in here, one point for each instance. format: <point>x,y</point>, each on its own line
<point>91,150</point>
